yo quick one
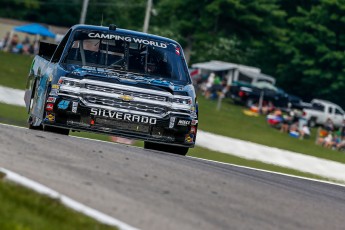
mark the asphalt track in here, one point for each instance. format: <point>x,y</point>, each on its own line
<point>155,190</point>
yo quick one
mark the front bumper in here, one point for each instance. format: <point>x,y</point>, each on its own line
<point>70,113</point>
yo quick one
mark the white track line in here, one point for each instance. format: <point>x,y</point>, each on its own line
<point>272,172</point>
<point>75,205</point>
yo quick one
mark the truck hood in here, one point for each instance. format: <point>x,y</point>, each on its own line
<point>110,75</point>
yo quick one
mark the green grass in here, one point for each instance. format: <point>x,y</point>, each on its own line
<point>14,69</point>
<point>230,121</point>
<point>24,209</point>
<point>14,115</point>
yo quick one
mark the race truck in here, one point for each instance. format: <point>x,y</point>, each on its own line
<point>114,81</point>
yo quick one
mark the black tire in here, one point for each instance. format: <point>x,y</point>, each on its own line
<point>312,122</point>
<point>166,148</point>
<point>55,130</point>
<point>249,102</point>
<point>31,124</point>
<point>31,119</point>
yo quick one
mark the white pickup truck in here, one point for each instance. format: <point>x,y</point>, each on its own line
<point>321,110</point>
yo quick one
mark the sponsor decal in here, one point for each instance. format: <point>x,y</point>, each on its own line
<point>123,116</point>
<point>49,107</point>
<point>194,122</point>
<point>63,104</point>
<point>74,107</point>
<point>127,39</point>
<point>189,138</point>
<point>183,122</point>
<point>50,117</point>
<point>126,98</point>
<point>55,86</point>
<point>51,99</point>
<point>172,122</point>
<point>193,129</point>
<point>178,51</point>
<point>54,92</point>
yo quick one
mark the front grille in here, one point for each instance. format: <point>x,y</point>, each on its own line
<point>126,92</point>
<point>122,125</point>
<point>130,105</point>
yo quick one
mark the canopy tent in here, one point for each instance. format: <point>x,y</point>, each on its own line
<point>35,29</point>
<point>223,66</point>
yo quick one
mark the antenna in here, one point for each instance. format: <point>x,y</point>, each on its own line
<point>102,20</point>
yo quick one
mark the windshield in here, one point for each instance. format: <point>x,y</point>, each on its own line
<point>126,53</point>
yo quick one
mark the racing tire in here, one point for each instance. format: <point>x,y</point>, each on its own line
<point>55,130</point>
<point>31,119</point>
<point>31,124</point>
<point>166,148</point>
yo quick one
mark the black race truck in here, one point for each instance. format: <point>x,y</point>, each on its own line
<point>114,81</point>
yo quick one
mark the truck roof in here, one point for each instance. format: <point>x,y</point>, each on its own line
<point>324,102</point>
<point>124,32</point>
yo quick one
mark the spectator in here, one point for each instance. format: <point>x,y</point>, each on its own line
<point>209,84</point>
<point>293,130</point>
<point>26,45</point>
<point>327,141</point>
<point>305,132</point>
<point>216,88</point>
<point>287,122</point>
<point>13,43</point>
<point>267,107</point>
<point>329,126</point>
<point>26,40</point>
<point>342,130</point>
<point>5,40</point>
<point>18,48</point>
<point>341,144</point>
<point>36,46</point>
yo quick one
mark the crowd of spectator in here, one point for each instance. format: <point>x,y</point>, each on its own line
<point>331,137</point>
<point>15,45</point>
<point>293,123</point>
<point>213,87</point>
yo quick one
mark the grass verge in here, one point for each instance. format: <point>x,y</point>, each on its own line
<point>14,69</point>
<point>22,208</point>
<point>230,121</point>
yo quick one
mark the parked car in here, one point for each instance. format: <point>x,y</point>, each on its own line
<point>114,81</point>
<point>321,110</point>
<point>247,88</point>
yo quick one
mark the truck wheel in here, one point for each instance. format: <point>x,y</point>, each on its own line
<point>166,148</point>
<point>249,102</point>
<point>55,130</point>
<point>32,119</point>
<point>312,122</point>
<point>31,122</point>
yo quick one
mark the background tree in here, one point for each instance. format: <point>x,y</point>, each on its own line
<point>314,52</point>
<point>300,42</point>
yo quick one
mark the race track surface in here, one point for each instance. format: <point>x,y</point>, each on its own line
<point>155,190</point>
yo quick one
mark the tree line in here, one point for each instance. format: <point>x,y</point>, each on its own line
<point>299,42</point>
